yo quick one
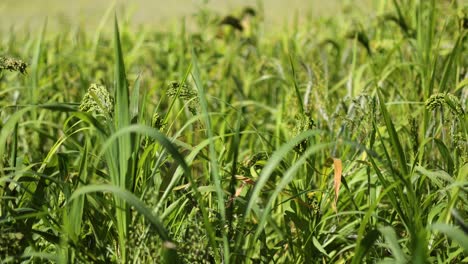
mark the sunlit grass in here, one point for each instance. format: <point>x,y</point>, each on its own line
<point>334,140</point>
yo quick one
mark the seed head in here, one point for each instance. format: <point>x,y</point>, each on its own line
<point>98,101</point>
<point>445,99</point>
<point>12,64</point>
<point>184,92</point>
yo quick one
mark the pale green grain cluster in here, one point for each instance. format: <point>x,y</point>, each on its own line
<point>157,121</point>
<point>303,123</point>
<point>187,94</point>
<point>97,101</point>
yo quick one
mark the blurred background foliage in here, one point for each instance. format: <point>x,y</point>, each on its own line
<point>153,13</point>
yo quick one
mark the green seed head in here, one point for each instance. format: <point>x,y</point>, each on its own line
<point>441,100</point>
<point>97,101</point>
<point>184,92</point>
<point>303,123</point>
<point>158,122</point>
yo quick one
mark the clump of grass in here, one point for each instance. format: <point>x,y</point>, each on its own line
<point>445,100</point>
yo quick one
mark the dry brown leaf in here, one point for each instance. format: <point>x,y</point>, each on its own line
<point>338,168</point>
<point>239,190</point>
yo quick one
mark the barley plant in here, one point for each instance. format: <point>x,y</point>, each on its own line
<point>330,140</point>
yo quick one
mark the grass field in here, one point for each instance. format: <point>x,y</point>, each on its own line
<point>156,13</point>
<point>340,137</point>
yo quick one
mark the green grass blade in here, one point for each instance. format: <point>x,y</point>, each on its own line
<point>102,22</point>
<point>394,139</point>
<point>454,233</point>
<point>392,241</point>
<point>216,176</point>
<point>134,101</point>
<point>296,87</point>
<point>7,128</point>
<point>122,150</point>
<point>362,245</point>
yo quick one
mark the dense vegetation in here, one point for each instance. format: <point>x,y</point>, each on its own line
<point>337,140</point>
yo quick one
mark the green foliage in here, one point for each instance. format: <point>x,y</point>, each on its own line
<point>446,100</point>
<point>233,161</point>
<point>97,101</point>
<point>12,64</point>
